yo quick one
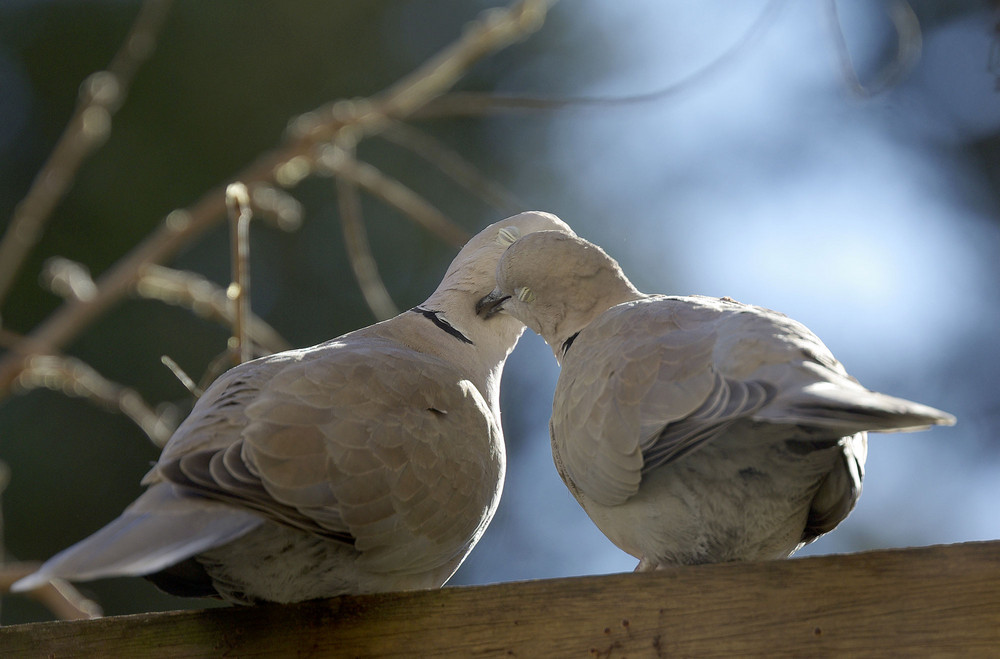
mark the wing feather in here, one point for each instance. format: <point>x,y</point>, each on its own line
<point>355,442</point>
<point>640,387</point>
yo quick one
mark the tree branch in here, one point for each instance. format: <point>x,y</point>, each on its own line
<point>100,97</point>
<point>909,44</point>
<point>238,207</point>
<point>58,595</point>
<point>206,299</point>
<point>339,163</point>
<point>494,30</point>
<point>452,164</point>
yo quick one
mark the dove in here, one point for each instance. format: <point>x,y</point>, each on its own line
<point>692,429</point>
<point>370,462</point>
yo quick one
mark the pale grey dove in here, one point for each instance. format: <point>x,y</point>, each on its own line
<point>371,462</point>
<point>692,429</point>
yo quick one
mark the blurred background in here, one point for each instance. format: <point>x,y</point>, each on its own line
<point>867,208</point>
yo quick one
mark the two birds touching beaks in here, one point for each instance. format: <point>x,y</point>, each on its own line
<point>691,430</point>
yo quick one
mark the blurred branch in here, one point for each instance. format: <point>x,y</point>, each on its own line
<point>277,207</point>
<point>183,377</point>
<point>75,378</point>
<point>463,104</point>
<point>359,252</point>
<point>219,365</point>
<point>340,163</point>
<point>101,95</point>
<point>452,164</point>
<point>238,207</point>
<point>493,30</point>
<point>206,299</point>
<point>58,596</point>
<point>909,43</point>
<point>68,279</point>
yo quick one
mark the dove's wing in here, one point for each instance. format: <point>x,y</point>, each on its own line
<point>813,390</point>
<point>367,442</point>
<point>638,389</point>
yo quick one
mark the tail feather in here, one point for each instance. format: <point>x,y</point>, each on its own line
<point>852,410</point>
<point>161,528</point>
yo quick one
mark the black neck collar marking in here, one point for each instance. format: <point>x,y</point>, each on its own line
<point>568,342</point>
<point>442,323</point>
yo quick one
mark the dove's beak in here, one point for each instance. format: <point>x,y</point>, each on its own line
<point>491,304</point>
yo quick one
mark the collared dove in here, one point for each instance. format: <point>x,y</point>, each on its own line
<point>371,462</point>
<point>692,429</point>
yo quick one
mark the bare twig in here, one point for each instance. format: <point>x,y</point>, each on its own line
<point>496,29</point>
<point>339,163</point>
<point>58,595</point>
<point>100,97</point>
<point>205,298</point>
<point>277,207</point>
<point>493,30</point>
<point>452,164</point>
<point>68,279</point>
<point>359,252</point>
<point>9,339</point>
<point>464,104</point>
<point>238,205</point>
<point>909,43</point>
<point>219,364</point>
<point>75,378</point>
<point>183,377</point>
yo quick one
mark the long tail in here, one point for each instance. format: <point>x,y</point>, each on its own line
<point>848,410</point>
<point>161,528</point>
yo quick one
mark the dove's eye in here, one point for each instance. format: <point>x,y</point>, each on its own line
<point>525,294</point>
<point>508,235</point>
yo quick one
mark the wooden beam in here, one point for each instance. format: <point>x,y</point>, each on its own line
<point>939,601</point>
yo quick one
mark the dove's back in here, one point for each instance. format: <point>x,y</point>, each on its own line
<point>311,472</point>
<point>691,429</point>
<point>370,462</point>
<point>696,429</point>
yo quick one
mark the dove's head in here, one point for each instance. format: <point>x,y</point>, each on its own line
<point>556,284</point>
<point>471,276</point>
<point>473,272</point>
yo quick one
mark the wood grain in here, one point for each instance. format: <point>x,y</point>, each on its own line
<point>929,601</point>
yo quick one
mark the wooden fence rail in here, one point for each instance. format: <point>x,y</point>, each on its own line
<point>928,601</point>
